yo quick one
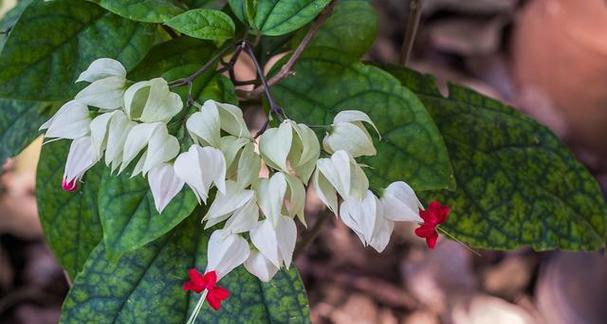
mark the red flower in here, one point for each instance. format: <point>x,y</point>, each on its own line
<point>198,283</point>
<point>433,216</point>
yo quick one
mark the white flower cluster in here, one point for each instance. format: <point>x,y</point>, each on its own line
<point>131,122</point>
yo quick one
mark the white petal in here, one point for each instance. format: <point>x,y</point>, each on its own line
<point>264,238</point>
<point>105,93</point>
<point>350,138</point>
<point>258,265</point>
<point>162,104</point>
<point>99,131</point>
<point>201,167</point>
<point>102,68</point>
<point>400,203</point>
<point>230,146</point>
<point>161,148</point>
<point>271,194</point>
<point>244,218</point>
<point>225,204</point>
<point>119,128</point>
<point>310,147</point>
<point>275,145</point>
<point>249,166</point>
<point>204,126</point>
<point>165,185</point>
<point>336,170</point>
<point>286,234</point>
<point>135,98</point>
<point>354,116</point>
<point>232,120</point>
<point>80,158</point>
<point>382,232</point>
<point>360,216</point>
<point>136,140</point>
<point>325,192</point>
<point>71,121</point>
<point>296,197</point>
<point>225,252</point>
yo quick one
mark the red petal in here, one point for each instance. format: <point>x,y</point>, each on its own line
<point>220,293</point>
<point>188,285</point>
<point>431,240</point>
<point>195,277</point>
<point>425,230</point>
<point>210,279</point>
<point>213,301</point>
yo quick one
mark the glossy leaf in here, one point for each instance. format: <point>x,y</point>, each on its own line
<point>69,219</point>
<point>19,123</point>
<point>411,148</point>
<point>517,184</point>
<point>152,11</point>
<point>146,286</point>
<point>10,19</point>
<point>351,29</point>
<point>278,17</point>
<point>204,24</point>
<point>54,41</point>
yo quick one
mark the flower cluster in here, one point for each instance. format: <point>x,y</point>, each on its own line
<point>253,216</point>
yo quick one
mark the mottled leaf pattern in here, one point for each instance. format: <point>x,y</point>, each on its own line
<point>206,24</point>
<point>19,123</point>
<point>145,286</point>
<point>69,219</point>
<point>152,11</point>
<point>54,41</point>
<point>517,184</point>
<point>411,148</point>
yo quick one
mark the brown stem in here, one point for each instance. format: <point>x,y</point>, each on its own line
<point>274,107</point>
<point>286,70</point>
<point>415,13</point>
<point>189,79</point>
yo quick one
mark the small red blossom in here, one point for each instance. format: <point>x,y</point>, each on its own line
<point>198,283</point>
<point>433,216</point>
<point>69,186</point>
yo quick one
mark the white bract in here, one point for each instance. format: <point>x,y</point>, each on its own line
<point>225,252</point>
<point>164,184</point>
<point>293,143</point>
<point>206,125</point>
<point>108,82</point>
<point>81,157</point>
<point>226,204</point>
<point>348,133</point>
<point>243,163</point>
<point>151,101</point>
<point>275,242</point>
<point>71,121</point>
<point>260,266</point>
<point>201,167</point>
<point>161,147</point>
<point>400,203</point>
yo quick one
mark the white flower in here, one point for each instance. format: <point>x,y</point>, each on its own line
<point>260,266</point>
<point>381,232</point>
<point>243,163</point>
<point>348,133</point>
<point>339,174</point>
<point>292,142</point>
<point>108,82</point>
<point>71,121</point>
<point>225,204</point>
<point>270,195</point>
<point>164,184</point>
<point>118,130</point>
<point>161,147</point>
<point>400,203</point>
<point>244,218</point>
<point>276,243</point>
<point>151,101</point>
<point>225,252</point>
<point>81,157</point>
<point>200,167</point>
<point>205,126</point>
<point>360,215</point>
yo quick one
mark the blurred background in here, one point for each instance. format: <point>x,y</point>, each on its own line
<point>547,57</point>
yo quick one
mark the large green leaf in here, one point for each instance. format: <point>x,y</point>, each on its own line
<point>517,184</point>
<point>9,19</point>
<point>146,287</point>
<point>411,148</point>
<point>19,123</point>
<point>351,29</point>
<point>70,220</point>
<point>206,24</point>
<point>278,17</point>
<point>152,11</point>
<point>128,215</point>
<point>54,41</point>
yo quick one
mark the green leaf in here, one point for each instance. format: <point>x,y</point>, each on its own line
<point>10,18</point>
<point>69,219</point>
<point>278,17</point>
<point>54,41</point>
<point>146,286</point>
<point>128,215</point>
<point>517,184</point>
<point>351,29</point>
<point>411,148</point>
<point>204,24</point>
<point>19,123</point>
<point>151,11</point>
<point>209,4</point>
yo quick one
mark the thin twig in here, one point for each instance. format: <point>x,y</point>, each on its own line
<point>189,79</point>
<point>286,70</point>
<point>415,13</point>
<point>310,235</point>
<point>274,107</point>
